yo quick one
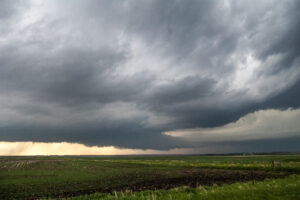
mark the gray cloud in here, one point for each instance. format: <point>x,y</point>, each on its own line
<point>185,90</point>
<point>111,73</point>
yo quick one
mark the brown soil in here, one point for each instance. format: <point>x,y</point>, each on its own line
<point>192,178</point>
<point>203,177</point>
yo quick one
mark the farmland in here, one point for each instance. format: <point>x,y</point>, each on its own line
<point>150,177</point>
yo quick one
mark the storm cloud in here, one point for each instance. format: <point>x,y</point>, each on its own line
<point>111,73</point>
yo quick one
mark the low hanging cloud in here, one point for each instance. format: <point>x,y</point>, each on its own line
<point>263,124</point>
<point>110,73</point>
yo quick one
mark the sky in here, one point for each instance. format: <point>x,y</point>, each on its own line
<point>149,77</point>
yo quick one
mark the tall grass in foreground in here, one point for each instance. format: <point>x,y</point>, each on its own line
<point>275,189</point>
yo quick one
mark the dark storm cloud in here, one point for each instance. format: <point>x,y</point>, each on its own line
<point>286,99</point>
<point>75,77</point>
<point>193,32</point>
<point>176,23</point>
<point>128,134</point>
<point>185,90</point>
<point>284,40</point>
<point>289,144</point>
<point>111,73</point>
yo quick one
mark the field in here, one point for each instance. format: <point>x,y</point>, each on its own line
<point>150,177</point>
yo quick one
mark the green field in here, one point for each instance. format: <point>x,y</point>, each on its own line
<point>150,177</point>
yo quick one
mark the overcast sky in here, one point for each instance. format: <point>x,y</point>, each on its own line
<point>153,74</point>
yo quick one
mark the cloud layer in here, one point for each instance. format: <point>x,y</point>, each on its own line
<point>263,124</point>
<point>112,73</point>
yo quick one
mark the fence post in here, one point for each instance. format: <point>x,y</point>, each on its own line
<point>252,177</point>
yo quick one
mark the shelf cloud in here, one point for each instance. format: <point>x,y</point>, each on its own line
<point>263,124</point>
<point>127,74</point>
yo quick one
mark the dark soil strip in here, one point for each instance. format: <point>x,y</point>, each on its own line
<point>205,177</point>
<point>192,178</point>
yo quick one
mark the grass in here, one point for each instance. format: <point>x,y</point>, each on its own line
<point>281,189</point>
<point>256,162</point>
<point>55,176</point>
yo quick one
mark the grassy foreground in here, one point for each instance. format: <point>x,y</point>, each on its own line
<point>66,176</point>
<point>281,189</point>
